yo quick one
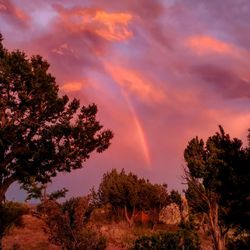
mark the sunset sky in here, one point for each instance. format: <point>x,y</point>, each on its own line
<point>160,71</point>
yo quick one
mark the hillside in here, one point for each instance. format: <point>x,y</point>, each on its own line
<point>33,235</point>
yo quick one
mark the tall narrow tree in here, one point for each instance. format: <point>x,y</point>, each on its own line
<point>218,175</point>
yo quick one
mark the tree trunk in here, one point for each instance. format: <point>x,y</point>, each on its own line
<point>131,219</point>
<point>217,236</point>
<point>4,187</point>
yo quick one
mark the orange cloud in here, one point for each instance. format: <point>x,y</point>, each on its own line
<point>135,83</point>
<point>203,45</point>
<point>21,15</point>
<point>114,25</point>
<point>72,86</point>
<point>110,26</point>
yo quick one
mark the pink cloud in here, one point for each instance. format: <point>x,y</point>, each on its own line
<point>14,13</point>
<point>112,26</point>
<point>135,83</point>
<point>72,86</point>
<point>203,45</point>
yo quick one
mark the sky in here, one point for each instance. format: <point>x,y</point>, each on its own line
<point>160,71</point>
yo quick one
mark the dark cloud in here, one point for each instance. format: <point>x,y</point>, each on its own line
<point>223,81</point>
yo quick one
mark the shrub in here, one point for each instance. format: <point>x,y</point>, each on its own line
<point>241,243</point>
<point>67,225</point>
<point>11,214</point>
<point>171,241</point>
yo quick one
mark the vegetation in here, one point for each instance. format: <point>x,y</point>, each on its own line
<point>41,133</point>
<point>39,191</point>
<point>171,241</point>
<point>240,243</point>
<point>11,215</point>
<point>218,176</point>
<point>130,194</point>
<point>67,225</point>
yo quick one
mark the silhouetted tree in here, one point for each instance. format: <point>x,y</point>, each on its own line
<point>39,191</point>
<point>218,183</point>
<point>41,133</point>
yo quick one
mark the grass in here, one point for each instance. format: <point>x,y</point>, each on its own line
<point>29,237</point>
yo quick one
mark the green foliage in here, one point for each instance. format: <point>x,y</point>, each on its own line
<point>219,171</point>
<point>175,197</point>
<point>10,215</point>
<point>67,225</point>
<point>127,191</point>
<point>218,174</point>
<point>58,194</point>
<point>39,191</point>
<point>171,241</point>
<point>41,133</point>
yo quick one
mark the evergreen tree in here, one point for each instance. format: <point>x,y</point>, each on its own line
<point>41,133</point>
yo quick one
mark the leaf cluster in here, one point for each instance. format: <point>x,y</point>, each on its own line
<point>171,241</point>
<point>67,224</point>
<point>41,133</point>
<point>10,215</point>
<point>219,170</point>
<point>120,189</point>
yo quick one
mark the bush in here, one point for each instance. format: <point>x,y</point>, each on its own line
<point>10,215</point>
<point>67,225</point>
<point>170,241</point>
<point>241,243</point>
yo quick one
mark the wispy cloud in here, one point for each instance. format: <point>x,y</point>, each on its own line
<point>135,84</point>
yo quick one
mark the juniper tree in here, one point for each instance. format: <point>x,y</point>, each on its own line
<point>41,133</point>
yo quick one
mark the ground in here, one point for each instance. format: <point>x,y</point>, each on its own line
<point>33,236</point>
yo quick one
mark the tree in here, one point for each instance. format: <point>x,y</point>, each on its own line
<point>131,194</point>
<point>36,191</point>
<point>217,175</point>
<point>119,190</point>
<point>41,133</point>
<point>152,198</point>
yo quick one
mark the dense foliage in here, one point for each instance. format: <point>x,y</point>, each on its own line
<point>171,241</point>
<point>41,133</point>
<point>67,225</point>
<point>240,243</point>
<point>218,175</point>
<point>131,194</point>
<point>10,215</point>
